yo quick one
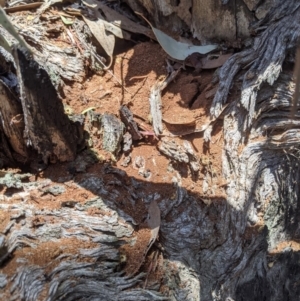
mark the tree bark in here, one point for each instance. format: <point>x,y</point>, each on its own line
<point>207,20</point>
<point>244,247</point>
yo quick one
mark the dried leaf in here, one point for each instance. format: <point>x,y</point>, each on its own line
<point>116,30</point>
<point>153,219</point>
<point>215,61</point>
<point>183,120</point>
<point>101,28</point>
<point>105,39</point>
<point>88,109</point>
<point>153,222</point>
<point>123,22</point>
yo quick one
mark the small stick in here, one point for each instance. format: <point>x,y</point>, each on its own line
<point>297,87</point>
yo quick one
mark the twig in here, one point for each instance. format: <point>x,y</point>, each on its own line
<point>297,87</point>
<point>138,77</point>
<point>140,87</point>
<point>28,6</point>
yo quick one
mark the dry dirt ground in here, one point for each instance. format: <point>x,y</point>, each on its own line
<point>183,101</point>
<point>186,100</point>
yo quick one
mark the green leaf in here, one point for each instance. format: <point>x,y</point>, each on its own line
<point>67,21</point>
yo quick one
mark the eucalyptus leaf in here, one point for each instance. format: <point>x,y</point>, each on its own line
<point>105,38</point>
<point>179,50</point>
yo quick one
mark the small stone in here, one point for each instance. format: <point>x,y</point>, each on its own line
<point>55,190</point>
<point>127,142</point>
<point>147,174</point>
<point>69,204</point>
<point>126,161</point>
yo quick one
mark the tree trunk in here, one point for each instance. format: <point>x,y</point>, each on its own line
<point>207,20</point>
<point>37,124</point>
<point>244,247</point>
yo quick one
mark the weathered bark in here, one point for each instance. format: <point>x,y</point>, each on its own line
<point>223,249</point>
<point>48,130</point>
<point>32,115</point>
<point>208,20</point>
<point>233,245</point>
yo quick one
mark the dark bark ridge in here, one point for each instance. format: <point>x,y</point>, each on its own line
<point>47,128</point>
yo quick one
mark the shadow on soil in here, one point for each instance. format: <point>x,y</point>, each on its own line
<point>202,233</point>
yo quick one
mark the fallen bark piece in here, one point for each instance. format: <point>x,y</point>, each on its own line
<point>139,163</point>
<point>127,118</point>
<point>108,126</point>
<point>155,108</point>
<point>184,154</point>
<point>126,161</point>
<point>155,102</point>
<point>211,93</point>
<point>172,150</point>
<point>113,130</point>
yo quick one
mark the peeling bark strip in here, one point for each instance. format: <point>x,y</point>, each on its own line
<point>265,59</point>
<point>47,129</point>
